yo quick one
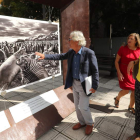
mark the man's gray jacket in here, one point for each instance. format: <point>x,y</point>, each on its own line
<point>88,66</point>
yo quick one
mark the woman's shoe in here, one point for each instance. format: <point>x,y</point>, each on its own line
<point>116,102</point>
<point>132,110</point>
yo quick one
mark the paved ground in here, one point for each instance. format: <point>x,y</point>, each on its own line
<point>115,126</point>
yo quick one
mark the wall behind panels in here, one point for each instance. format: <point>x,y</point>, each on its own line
<point>102,45</point>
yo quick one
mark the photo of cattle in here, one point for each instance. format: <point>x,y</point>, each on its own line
<point>19,40</point>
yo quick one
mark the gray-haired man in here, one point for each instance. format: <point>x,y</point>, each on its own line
<point>82,63</point>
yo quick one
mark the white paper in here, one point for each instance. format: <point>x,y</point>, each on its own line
<point>4,124</point>
<point>88,84</point>
<point>32,106</point>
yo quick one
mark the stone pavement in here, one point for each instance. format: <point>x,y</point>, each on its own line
<point>115,126</point>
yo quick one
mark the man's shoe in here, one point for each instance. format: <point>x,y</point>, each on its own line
<point>88,129</point>
<point>77,126</point>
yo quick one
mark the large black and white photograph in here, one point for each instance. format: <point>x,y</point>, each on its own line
<point>19,40</point>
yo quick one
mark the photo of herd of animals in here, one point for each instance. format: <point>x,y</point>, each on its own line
<point>19,40</point>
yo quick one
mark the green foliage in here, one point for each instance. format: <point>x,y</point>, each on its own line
<point>25,9</point>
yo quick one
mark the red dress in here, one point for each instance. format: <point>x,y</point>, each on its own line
<point>127,55</point>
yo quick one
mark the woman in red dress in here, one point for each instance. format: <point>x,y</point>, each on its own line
<point>127,53</point>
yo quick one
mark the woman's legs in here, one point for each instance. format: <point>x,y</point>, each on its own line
<point>132,99</point>
<point>121,94</point>
<point>132,102</point>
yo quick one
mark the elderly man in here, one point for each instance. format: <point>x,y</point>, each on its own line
<point>82,63</point>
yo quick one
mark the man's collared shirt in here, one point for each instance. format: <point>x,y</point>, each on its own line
<point>76,64</point>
